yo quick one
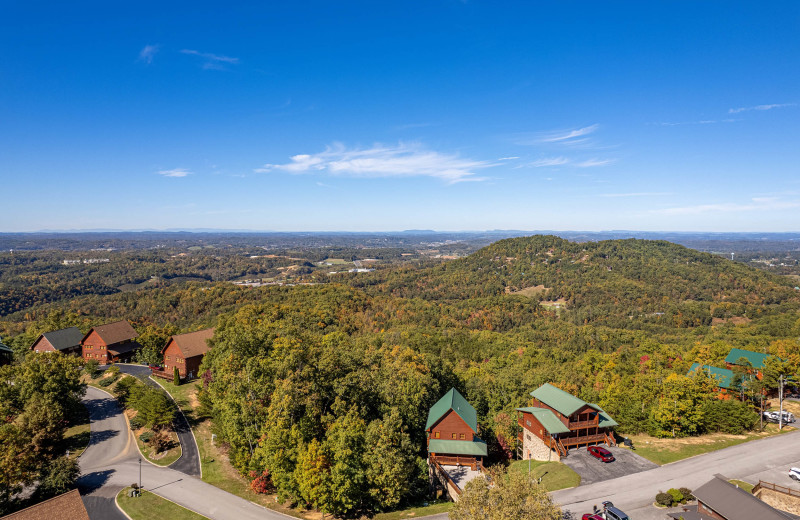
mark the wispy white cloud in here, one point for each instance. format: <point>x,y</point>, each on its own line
<point>147,53</point>
<point>403,160</point>
<point>635,194</point>
<point>755,204</point>
<point>548,161</point>
<point>212,61</point>
<point>176,172</point>
<point>570,135</point>
<point>760,107</point>
<point>592,163</point>
<point>508,158</point>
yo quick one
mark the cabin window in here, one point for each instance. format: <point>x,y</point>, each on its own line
<point>461,436</point>
<point>452,435</point>
<point>167,358</point>
<point>179,360</point>
<point>527,422</point>
<point>436,435</point>
<point>527,436</point>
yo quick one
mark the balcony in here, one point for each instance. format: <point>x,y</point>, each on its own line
<point>583,424</point>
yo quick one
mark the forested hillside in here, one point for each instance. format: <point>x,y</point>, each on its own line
<point>325,388</point>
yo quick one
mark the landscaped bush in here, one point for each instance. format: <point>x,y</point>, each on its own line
<point>146,436</point>
<point>687,494</point>
<point>664,499</point>
<point>108,381</point>
<point>677,496</point>
<point>113,370</point>
<point>160,441</point>
<point>136,423</point>
<point>91,368</point>
<point>123,389</point>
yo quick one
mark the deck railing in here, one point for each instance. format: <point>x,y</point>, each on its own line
<point>775,487</point>
<point>443,477</point>
<point>458,461</point>
<point>583,424</point>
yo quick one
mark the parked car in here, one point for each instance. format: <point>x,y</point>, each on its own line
<point>600,453</point>
<point>612,513</point>
<point>794,473</point>
<point>590,516</point>
<point>775,415</point>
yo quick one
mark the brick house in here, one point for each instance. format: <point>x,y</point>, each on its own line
<point>557,421</point>
<point>186,352</point>
<point>452,433</point>
<point>110,343</point>
<point>66,341</point>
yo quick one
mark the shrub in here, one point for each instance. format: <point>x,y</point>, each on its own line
<point>261,484</point>
<point>664,499</point>
<point>136,423</point>
<point>123,389</point>
<point>108,381</point>
<point>176,376</point>
<point>728,416</point>
<point>160,441</point>
<point>113,370</point>
<point>687,494</point>
<point>146,436</point>
<point>676,495</point>
<point>91,368</point>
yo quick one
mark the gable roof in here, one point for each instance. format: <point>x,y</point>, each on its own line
<point>192,343</point>
<point>69,505</point>
<point>733,503</point>
<point>547,419</point>
<point>115,332</point>
<point>62,339</point>
<point>559,400</point>
<point>755,358</point>
<point>5,348</point>
<point>723,376</point>
<point>453,400</point>
<point>604,420</point>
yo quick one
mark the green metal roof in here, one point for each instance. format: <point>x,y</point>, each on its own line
<point>755,358</point>
<point>559,400</point>
<point>723,376</point>
<point>453,400</point>
<point>447,447</point>
<point>4,348</point>
<point>605,420</point>
<point>547,418</point>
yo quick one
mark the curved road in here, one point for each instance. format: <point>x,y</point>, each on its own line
<point>189,461</point>
<point>110,463</point>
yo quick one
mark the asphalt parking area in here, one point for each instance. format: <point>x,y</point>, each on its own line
<point>594,470</point>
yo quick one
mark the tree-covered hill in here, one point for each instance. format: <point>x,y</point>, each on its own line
<point>606,281</point>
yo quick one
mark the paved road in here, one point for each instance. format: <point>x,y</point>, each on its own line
<point>111,462</point>
<point>635,493</point>
<point>189,461</point>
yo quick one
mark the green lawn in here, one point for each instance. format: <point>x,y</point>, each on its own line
<point>554,475</point>
<point>76,438</point>
<point>416,512</point>
<point>172,455</point>
<point>149,506</point>
<point>664,451</point>
<point>742,484</point>
<point>181,394</point>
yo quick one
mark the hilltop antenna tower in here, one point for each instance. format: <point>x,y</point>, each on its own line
<point>732,256</point>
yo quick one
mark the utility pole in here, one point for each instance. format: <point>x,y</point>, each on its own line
<point>140,475</point>
<point>780,398</point>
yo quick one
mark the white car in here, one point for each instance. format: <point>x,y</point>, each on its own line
<point>794,473</point>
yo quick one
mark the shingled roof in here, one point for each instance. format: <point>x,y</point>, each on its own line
<point>733,503</point>
<point>192,343</point>
<point>115,332</point>
<point>62,339</point>
<point>756,359</point>
<point>69,505</point>
<point>453,400</point>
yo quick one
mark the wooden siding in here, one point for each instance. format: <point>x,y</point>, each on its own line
<point>42,345</point>
<point>705,510</point>
<point>451,424</point>
<point>93,347</point>
<point>535,427</point>
<point>173,357</point>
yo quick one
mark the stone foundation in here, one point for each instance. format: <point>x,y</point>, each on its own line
<point>534,448</point>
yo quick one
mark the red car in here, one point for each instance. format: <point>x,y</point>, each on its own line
<point>589,516</point>
<point>601,453</point>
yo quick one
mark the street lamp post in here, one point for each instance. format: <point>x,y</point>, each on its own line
<point>140,476</point>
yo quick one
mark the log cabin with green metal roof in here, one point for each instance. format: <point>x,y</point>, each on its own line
<point>452,433</point>
<point>722,377</point>
<point>557,421</point>
<point>755,360</point>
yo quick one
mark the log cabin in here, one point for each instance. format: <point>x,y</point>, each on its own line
<point>557,421</point>
<point>186,352</point>
<point>66,341</point>
<point>723,378</point>
<point>110,343</point>
<point>754,359</point>
<point>452,433</point>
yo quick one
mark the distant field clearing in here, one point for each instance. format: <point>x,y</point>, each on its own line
<point>529,291</point>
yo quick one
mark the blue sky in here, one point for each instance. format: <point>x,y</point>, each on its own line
<point>369,116</point>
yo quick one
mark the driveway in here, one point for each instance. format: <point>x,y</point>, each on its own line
<point>111,462</point>
<point>593,470</point>
<point>635,493</point>
<point>189,461</point>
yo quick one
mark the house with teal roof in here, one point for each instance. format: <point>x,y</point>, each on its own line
<point>557,421</point>
<point>452,433</point>
<point>722,376</point>
<point>754,360</point>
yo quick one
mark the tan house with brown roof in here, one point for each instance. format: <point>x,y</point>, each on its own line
<point>186,352</point>
<point>69,505</point>
<point>110,343</point>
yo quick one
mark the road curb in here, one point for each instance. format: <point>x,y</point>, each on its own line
<point>120,509</point>
<point>199,457</point>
